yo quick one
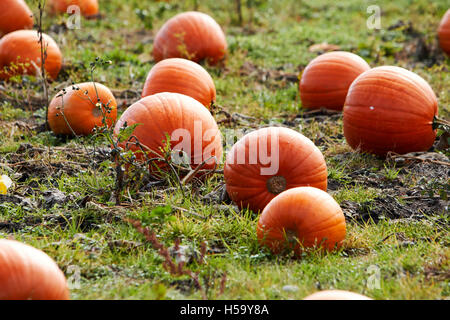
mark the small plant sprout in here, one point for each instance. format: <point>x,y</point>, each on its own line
<point>391,173</point>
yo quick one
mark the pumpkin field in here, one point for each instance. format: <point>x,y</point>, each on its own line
<point>213,149</point>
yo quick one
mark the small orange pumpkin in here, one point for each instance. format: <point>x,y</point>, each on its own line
<point>181,76</point>
<point>88,8</point>
<point>20,53</point>
<point>268,161</point>
<point>326,79</point>
<point>14,15</point>
<point>188,124</point>
<point>300,218</point>
<point>336,295</point>
<point>444,33</point>
<point>27,273</point>
<point>191,35</point>
<point>390,109</point>
<point>78,107</point>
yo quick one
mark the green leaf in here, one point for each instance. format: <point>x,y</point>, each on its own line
<point>127,131</point>
<point>162,211</point>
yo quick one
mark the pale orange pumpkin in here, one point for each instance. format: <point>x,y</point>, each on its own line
<point>268,161</point>
<point>14,15</point>
<point>182,120</point>
<point>181,76</point>
<point>300,218</point>
<point>80,108</point>
<point>27,273</point>
<point>336,295</point>
<point>192,35</point>
<point>325,81</point>
<point>20,53</point>
<point>88,8</point>
<point>444,33</point>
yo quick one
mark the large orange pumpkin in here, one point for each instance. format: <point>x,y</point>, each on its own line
<point>300,218</point>
<point>14,15</point>
<point>181,76</point>
<point>336,295</point>
<point>390,109</point>
<point>191,35</point>
<point>88,8</point>
<point>326,79</point>
<point>27,273</point>
<point>189,125</point>
<point>78,106</point>
<point>444,33</point>
<point>268,161</point>
<point>20,53</point>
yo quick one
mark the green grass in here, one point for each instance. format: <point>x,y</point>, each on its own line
<point>410,257</point>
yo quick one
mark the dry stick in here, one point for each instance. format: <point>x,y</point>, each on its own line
<point>42,160</point>
<point>394,155</point>
<point>223,283</point>
<point>192,173</point>
<point>41,7</point>
<point>239,11</point>
<point>168,263</point>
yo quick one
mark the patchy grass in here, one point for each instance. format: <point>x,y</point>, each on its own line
<point>397,245</point>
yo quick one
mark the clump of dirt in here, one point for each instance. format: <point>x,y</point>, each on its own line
<point>389,207</point>
<point>412,186</point>
<point>26,203</point>
<point>34,162</point>
<point>417,47</point>
<point>185,286</point>
<point>321,115</point>
<point>269,77</point>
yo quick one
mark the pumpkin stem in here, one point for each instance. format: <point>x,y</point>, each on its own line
<point>276,184</point>
<point>441,124</point>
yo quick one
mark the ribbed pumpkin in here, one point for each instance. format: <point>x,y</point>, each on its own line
<point>300,218</point>
<point>326,79</point>
<point>336,295</point>
<point>78,107</point>
<point>88,8</point>
<point>189,125</point>
<point>27,273</point>
<point>20,53</point>
<point>268,161</point>
<point>181,76</point>
<point>390,109</point>
<point>191,35</point>
<point>444,33</point>
<point>14,15</point>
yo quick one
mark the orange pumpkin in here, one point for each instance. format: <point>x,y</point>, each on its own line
<point>88,8</point>
<point>181,76</point>
<point>326,79</point>
<point>390,109</point>
<point>77,106</point>
<point>191,35</point>
<point>300,218</point>
<point>444,33</point>
<point>268,161</point>
<point>188,124</point>
<point>27,273</point>
<point>20,53</point>
<point>14,15</point>
<point>336,295</point>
